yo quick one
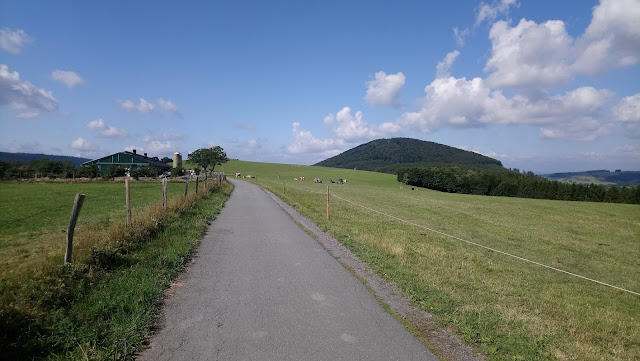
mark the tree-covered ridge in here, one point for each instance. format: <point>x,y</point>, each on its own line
<point>386,155</point>
<point>26,158</point>
<point>513,184</point>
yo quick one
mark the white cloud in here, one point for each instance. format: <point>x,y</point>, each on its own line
<point>353,128</point>
<point>458,102</point>
<point>158,146</point>
<point>628,109</point>
<point>68,78</point>
<point>28,114</point>
<point>83,145</point>
<point>105,130</point>
<point>443,67</point>
<point>529,54</point>
<point>146,107</point>
<point>170,107</point>
<point>143,107</point>
<point>460,35</point>
<point>489,12</point>
<point>532,54</point>
<point>349,130</point>
<point>612,39</point>
<point>385,89</point>
<point>305,142</point>
<point>13,41</point>
<point>23,95</point>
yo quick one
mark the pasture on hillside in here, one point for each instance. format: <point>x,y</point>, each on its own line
<point>506,307</point>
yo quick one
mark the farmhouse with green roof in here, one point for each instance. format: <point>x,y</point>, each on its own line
<point>129,160</point>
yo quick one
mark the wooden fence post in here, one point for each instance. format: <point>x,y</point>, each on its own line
<point>75,212</point>
<point>164,193</point>
<point>186,187</point>
<point>197,179</point>
<point>128,200</point>
<point>327,202</point>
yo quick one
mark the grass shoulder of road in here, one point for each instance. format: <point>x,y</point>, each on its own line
<point>506,308</point>
<point>105,304</point>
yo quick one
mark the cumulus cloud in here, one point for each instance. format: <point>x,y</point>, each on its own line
<point>68,78</point>
<point>385,89</point>
<point>489,12</point>
<point>82,145</point>
<point>458,102</point>
<point>305,142</point>
<point>612,39</point>
<point>443,67</point>
<point>529,54</point>
<point>106,131</point>
<point>352,128</point>
<point>13,41</point>
<point>348,129</point>
<point>544,54</point>
<point>146,107</point>
<point>23,95</point>
<point>143,107</point>
<point>628,109</point>
<point>170,107</point>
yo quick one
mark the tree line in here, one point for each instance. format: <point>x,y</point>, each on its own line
<point>204,158</point>
<point>512,183</point>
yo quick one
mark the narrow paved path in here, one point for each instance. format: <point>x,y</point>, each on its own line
<point>260,288</point>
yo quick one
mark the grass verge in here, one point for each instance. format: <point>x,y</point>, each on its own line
<point>104,305</point>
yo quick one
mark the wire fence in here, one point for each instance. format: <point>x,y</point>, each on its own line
<point>475,244</point>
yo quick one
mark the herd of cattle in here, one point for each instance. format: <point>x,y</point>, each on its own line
<point>302,179</point>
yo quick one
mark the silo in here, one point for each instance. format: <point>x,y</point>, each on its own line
<point>177,160</point>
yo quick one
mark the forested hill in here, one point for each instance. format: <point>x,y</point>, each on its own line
<point>386,155</point>
<point>26,158</point>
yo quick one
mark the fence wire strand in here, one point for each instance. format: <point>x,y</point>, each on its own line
<point>469,242</point>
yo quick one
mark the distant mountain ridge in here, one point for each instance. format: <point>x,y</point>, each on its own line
<point>601,176</point>
<point>27,158</point>
<point>387,155</point>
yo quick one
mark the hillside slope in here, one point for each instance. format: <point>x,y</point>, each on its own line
<point>26,158</point>
<point>386,155</point>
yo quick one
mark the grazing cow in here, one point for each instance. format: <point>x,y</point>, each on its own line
<point>331,180</point>
<point>302,179</point>
<point>317,180</point>
<point>401,187</point>
<point>238,175</point>
<point>295,179</point>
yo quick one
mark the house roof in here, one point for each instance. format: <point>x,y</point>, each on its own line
<point>152,161</point>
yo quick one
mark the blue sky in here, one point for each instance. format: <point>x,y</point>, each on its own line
<point>540,85</point>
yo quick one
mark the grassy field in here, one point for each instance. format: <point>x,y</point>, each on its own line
<point>505,307</point>
<point>33,215</point>
<point>104,304</point>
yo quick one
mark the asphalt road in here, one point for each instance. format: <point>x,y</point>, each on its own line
<point>260,288</point>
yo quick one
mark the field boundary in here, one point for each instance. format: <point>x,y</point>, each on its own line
<point>470,242</point>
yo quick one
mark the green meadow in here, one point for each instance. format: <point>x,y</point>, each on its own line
<point>104,304</point>
<point>505,307</point>
<point>34,215</point>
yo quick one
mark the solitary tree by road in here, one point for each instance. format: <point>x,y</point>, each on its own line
<point>208,157</point>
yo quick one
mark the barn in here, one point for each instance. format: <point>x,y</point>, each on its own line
<point>129,160</point>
